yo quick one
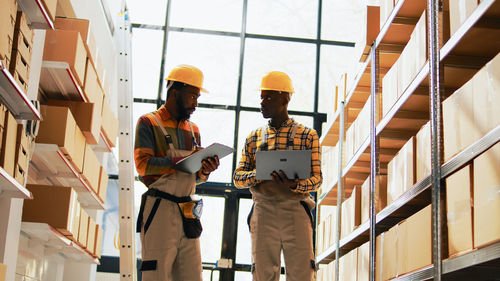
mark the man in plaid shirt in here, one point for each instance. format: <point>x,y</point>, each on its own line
<point>281,215</point>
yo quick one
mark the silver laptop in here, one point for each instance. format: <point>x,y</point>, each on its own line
<point>292,162</point>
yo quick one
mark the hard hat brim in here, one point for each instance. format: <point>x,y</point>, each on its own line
<point>201,89</point>
<point>269,89</point>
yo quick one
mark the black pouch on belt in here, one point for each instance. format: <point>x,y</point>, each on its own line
<point>191,213</point>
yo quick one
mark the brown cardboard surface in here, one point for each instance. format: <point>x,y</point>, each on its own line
<point>459,130</point>
<point>7,23</point>
<point>320,234</point>
<point>80,25</point>
<point>83,228</point>
<point>348,271</point>
<point>401,171</point>
<point>67,46</point>
<point>460,10</point>
<point>380,196</point>
<point>109,124</point>
<point>362,128</point>
<point>3,110</point>
<point>3,271</point>
<point>98,241</point>
<point>390,90</point>
<point>23,144</point>
<point>19,174</point>
<point>78,154</point>
<point>363,262</point>
<point>389,253</point>
<point>379,262</point>
<point>91,235</point>
<point>23,37</point>
<point>103,184</point>
<point>53,205</point>
<point>351,212</point>
<point>92,46</point>
<point>486,92</point>
<point>91,169</point>
<point>91,87</point>
<point>65,9</point>
<point>8,153</point>
<point>50,6</point>
<point>487,197</point>
<point>76,220</point>
<point>423,152</point>
<point>402,248</point>
<point>418,240</point>
<point>20,66</point>
<point>459,210</point>
<point>349,144</point>
<point>59,127</point>
<point>372,29</point>
<point>87,117</point>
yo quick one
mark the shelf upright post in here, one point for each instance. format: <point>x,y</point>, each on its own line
<point>436,129</point>
<point>340,185</point>
<point>374,163</point>
<point>128,259</point>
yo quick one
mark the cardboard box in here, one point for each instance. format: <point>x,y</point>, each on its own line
<point>83,228</point>
<point>423,152</point>
<point>380,196</point>
<point>487,197</point>
<point>459,210</point>
<point>379,262</point>
<point>53,205</point>
<point>50,7</point>
<point>77,211</point>
<point>8,153</point>
<point>460,10</point>
<point>59,127</point>
<point>91,87</point>
<point>87,117</point>
<point>3,271</point>
<point>320,234</point>
<point>390,257</point>
<point>401,171</point>
<point>109,124</point>
<point>349,144</point>
<point>415,242</point>
<point>390,90</point>
<point>348,270</point>
<point>362,127</point>
<point>91,235</point>
<point>66,46</point>
<point>23,144</point>
<point>486,90</point>
<point>471,112</point>
<point>7,23</point>
<point>80,25</point>
<point>364,262</point>
<point>351,212</point>
<point>329,229</point>
<point>98,241</point>
<point>23,37</point>
<point>103,184</point>
<point>91,169</point>
<point>458,121</point>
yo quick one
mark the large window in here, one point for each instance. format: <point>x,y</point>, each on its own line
<point>294,36</point>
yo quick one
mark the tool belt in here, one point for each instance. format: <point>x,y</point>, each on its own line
<point>190,208</point>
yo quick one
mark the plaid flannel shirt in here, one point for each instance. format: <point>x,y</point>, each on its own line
<point>277,139</point>
<point>150,150</point>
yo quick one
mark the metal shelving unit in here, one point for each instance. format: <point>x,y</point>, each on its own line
<point>56,243</point>
<point>36,14</point>
<point>414,105</point>
<point>9,187</point>
<point>57,79</point>
<point>50,166</point>
<point>14,97</point>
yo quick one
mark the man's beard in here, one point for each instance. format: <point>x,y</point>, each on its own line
<point>182,110</point>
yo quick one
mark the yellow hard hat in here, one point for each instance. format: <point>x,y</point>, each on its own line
<point>276,81</point>
<point>187,74</point>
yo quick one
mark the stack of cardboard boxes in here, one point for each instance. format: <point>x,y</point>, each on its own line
<point>58,206</point>
<point>8,15</point>
<point>21,51</point>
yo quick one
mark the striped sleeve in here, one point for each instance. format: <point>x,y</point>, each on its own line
<point>244,175</point>
<point>314,182</point>
<point>147,164</point>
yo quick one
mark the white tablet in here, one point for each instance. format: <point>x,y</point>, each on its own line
<point>192,163</point>
<point>292,162</point>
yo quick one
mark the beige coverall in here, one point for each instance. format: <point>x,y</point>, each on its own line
<point>167,254</point>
